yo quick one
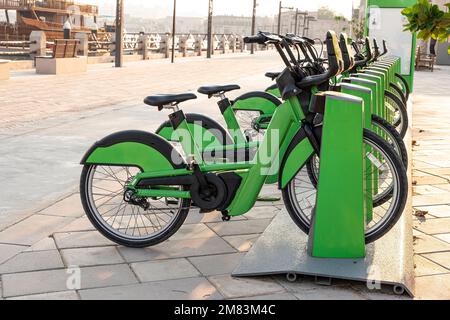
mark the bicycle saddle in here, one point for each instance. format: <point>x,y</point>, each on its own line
<point>272,75</point>
<point>212,90</point>
<point>162,100</point>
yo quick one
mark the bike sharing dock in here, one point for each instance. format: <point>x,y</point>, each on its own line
<point>335,247</point>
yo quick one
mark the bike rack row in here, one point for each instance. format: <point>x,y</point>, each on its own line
<point>336,248</point>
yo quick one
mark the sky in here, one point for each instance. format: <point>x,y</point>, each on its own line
<point>198,8</point>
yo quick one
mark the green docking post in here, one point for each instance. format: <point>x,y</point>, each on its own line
<point>338,222</point>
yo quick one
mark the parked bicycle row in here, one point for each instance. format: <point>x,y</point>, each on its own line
<point>137,187</point>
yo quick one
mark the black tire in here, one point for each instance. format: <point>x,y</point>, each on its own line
<point>120,238</point>
<point>398,145</point>
<point>405,84</point>
<point>398,92</point>
<point>397,141</point>
<point>402,122</point>
<point>401,192</point>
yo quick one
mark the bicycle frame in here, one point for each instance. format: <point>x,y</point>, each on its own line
<point>285,124</point>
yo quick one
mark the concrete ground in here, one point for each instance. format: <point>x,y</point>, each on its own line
<point>46,242</point>
<point>431,183</point>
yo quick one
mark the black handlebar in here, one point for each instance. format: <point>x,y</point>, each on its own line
<point>263,38</point>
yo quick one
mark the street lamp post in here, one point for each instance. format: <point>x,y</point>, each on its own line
<point>279,15</point>
<point>210,38</point>
<point>174,29</point>
<point>252,50</point>
<point>119,33</point>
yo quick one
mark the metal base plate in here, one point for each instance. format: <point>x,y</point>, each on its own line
<point>282,249</point>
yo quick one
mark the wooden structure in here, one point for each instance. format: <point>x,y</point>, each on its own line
<point>65,48</point>
<point>48,16</point>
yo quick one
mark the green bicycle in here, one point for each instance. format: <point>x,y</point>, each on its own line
<point>248,116</point>
<point>137,189</point>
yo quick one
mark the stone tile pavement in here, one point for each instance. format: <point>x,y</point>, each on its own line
<point>42,255</point>
<point>431,184</point>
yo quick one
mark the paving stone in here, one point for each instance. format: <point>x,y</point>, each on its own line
<point>32,229</point>
<point>270,297</point>
<point>195,217</point>
<point>426,243</point>
<point>242,243</point>
<point>433,226</point>
<point>68,207</point>
<point>231,287</point>
<point>193,231</point>
<point>37,282</point>
<point>164,270</point>
<point>425,267</point>
<point>65,295</point>
<point>217,264</point>
<point>81,240</point>
<point>429,179</point>
<point>177,249</point>
<point>82,257</point>
<point>7,251</point>
<point>436,287</point>
<point>32,261</point>
<point>444,237</point>
<point>45,244</point>
<point>181,289</point>
<point>427,190</point>
<point>262,213</point>
<point>240,227</point>
<point>437,211</point>
<point>80,224</point>
<point>431,199</point>
<point>441,258</point>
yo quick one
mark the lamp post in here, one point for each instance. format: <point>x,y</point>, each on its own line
<point>119,33</point>
<point>209,36</point>
<point>174,29</point>
<point>297,14</point>
<point>252,50</point>
<point>279,15</point>
<point>308,20</point>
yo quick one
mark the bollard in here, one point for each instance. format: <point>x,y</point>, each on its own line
<point>233,43</point>
<point>94,30</point>
<point>166,43</point>
<point>241,43</point>
<point>223,44</point>
<point>83,46</point>
<point>199,45</point>
<point>112,46</point>
<point>67,29</point>
<point>38,44</point>
<point>183,45</point>
<point>143,45</point>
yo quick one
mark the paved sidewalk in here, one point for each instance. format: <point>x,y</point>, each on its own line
<point>431,179</point>
<point>42,255</point>
<point>47,123</point>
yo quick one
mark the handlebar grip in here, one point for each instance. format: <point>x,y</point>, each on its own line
<point>258,39</point>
